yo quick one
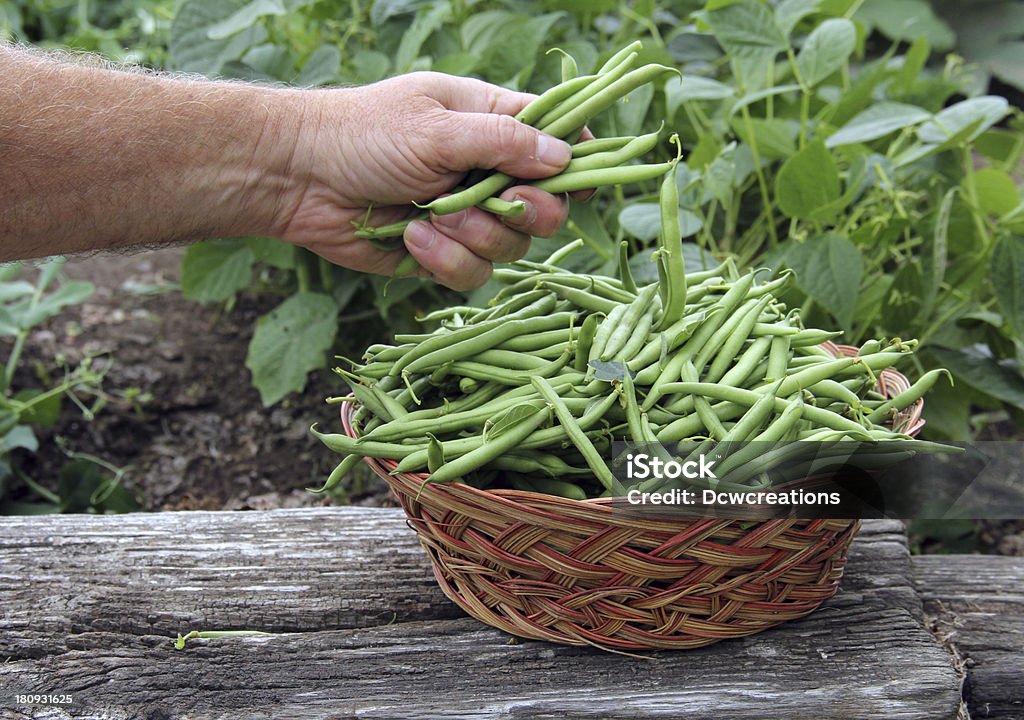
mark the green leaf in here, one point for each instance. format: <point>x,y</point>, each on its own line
<point>807,182</point>
<point>878,121</point>
<point>16,289</point>
<point>289,342</point>
<point>643,221</point>
<point>428,19</point>
<point>904,306</point>
<point>826,50</point>
<point>510,418</point>
<point>190,47</point>
<point>693,87</point>
<point>1006,61</point>
<point>321,67</point>
<point>789,13</point>
<point>935,252</point>
<point>215,271</point>
<point>720,175</point>
<point>751,98</point>
<point>986,111</point>
<point>609,371</point>
<point>775,138</point>
<point>829,270</point>
<point>747,29</point>
<point>631,112</point>
<point>83,487</point>
<point>27,314</point>
<point>997,193</point>
<point>244,18</point>
<point>1008,280</point>
<point>976,367</point>
<point>42,414</point>
<point>370,66</point>
<point>272,252</point>
<point>585,221</point>
<point>906,20</point>
<point>21,436</point>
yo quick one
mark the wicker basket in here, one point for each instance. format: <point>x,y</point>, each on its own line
<point>577,573</point>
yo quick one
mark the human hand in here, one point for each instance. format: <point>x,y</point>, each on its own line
<point>412,138</point>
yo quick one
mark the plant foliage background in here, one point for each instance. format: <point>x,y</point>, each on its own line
<point>866,144</point>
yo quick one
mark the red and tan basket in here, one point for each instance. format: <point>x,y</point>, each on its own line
<point>579,573</point>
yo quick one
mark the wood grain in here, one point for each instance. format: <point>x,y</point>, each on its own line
<point>91,605</point>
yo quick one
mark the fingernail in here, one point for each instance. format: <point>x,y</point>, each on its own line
<point>420,235</point>
<point>529,216</point>
<point>552,151</point>
<point>453,221</point>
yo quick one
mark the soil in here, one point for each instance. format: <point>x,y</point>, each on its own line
<point>181,416</point>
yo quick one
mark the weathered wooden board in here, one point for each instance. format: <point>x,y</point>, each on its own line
<point>90,605</point>
<point>976,604</point>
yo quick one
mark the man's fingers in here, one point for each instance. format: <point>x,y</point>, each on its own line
<point>484,234</point>
<point>545,213</point>
<point>469,95</point>
<point>448,261</point>
<point>487,140</point>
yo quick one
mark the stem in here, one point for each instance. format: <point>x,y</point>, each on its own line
<point>38,489</point>
<point>762,183</point>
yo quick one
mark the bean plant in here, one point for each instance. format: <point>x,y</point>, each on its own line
<point>31,400</point>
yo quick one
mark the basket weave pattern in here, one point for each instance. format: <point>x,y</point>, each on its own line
<point>579,573</point>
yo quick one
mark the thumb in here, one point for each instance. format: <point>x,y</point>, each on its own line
<point>492,140</point>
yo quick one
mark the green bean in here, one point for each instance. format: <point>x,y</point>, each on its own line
<point>738,397</point>
<point>778,358</point>
<point>539,341</point>
<point>559,488</point>
<point>775,432</point>
<point>552,97</point>
<point>597,286</point>
<point>563,252</point>
<point>598,145</point>
<point>812,337</point>
<point>747,363</point>
<point>473,195</point>
<point>472,344</point>
<point>597,86</point>
<point>503,208</point>
<point>511,360</point>
<point>343,468</point>
<point>406,266</point>
<point>639,337</point>
<point>604,98</point>
<point>909,396</point>
<point>617,59</point>
<point>587,179</point>
<point>731,348</point>
<point>638,146</point>
<point>625,274</point>
<point>586,340</point>
<point>581,298</point>
<point>342,443</point>
<point>492,447</point>
<point>630,323</point>
<point>578,437</point>
<point>541,306</point>
<point>481,371</point>
<point>605,330</point>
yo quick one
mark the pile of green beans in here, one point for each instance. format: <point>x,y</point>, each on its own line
<point>562,111</point>
<point>530,391</point>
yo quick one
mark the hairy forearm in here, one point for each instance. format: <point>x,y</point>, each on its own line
<point>93,158</point>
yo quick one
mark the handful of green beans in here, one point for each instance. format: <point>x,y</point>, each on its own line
<point>562,111</point>
<point>530,392</point>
